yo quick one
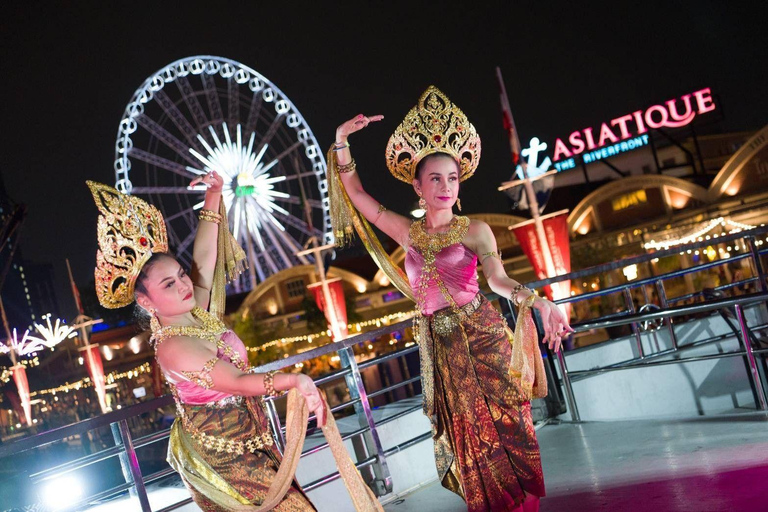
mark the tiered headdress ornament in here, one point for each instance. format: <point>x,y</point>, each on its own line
<point>129,232</point>
<point>434,125</point>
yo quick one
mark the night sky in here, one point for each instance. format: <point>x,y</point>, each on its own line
<point>68,71</point>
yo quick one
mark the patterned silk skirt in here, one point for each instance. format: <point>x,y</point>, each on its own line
<point>249,473</point>
<point>485,444</point>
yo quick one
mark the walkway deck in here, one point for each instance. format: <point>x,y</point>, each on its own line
<point>706,464</point>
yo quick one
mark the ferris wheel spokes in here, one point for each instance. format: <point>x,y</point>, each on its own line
<point>212,97</point>
<point>161,162</point>
<point>190,99</point>
<point>165,136</point>
<point>247,130</point>
<point>179,120</point>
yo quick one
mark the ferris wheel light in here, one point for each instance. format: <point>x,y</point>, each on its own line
<point>264,193</point>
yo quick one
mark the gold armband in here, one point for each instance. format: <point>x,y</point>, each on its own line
<point>203,377</point>
<point>491,254</point>
<point>210,216</point>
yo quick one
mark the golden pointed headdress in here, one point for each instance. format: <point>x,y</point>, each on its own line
<point>434,125</point>
<point>129,231</point>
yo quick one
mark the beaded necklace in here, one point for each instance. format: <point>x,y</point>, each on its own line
<point>211,329</point>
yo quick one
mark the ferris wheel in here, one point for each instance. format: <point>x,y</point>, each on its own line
<point>207,113</point>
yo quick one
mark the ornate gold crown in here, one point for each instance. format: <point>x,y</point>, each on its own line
<point>434,125</point>
<point>129,231</point>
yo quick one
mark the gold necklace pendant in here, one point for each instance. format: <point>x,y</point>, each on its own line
<point>435,242</point>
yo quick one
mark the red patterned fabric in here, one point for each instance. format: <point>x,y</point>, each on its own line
<point>485,444</point>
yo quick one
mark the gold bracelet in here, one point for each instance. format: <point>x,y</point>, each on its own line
<point>210,216</point>
<point>269,384</point>
<point>517,289</point>
<point>350,167</point>
<point>381,209</point>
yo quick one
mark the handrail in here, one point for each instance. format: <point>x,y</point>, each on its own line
<point>151,405</point>
<point>650,281</point>
<point>332,347</point>
<point>615,265</point>
<point>701,307</point>
<point>737,303</point>
<point>81,427</point>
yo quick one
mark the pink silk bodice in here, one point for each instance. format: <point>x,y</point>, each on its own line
<point>457,267</point>
<point>192,394</point>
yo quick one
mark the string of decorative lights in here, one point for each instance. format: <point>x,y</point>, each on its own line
<point>357,326</point>
<point>701,234</point>
<point>86,381</point>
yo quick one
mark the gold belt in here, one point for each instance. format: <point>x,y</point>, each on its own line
<point>445,320</point>
<point>224,403</point>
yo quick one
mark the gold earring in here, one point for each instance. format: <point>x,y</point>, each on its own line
<point>154,322</point>
<point>422,203</point>
<point>458,203</point>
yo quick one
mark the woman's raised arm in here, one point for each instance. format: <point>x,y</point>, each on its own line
<point>205,247</point>
<point>394,225</point>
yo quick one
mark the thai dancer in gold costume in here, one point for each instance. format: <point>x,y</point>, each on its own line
<point>221,443</point>
<point>477,377</point>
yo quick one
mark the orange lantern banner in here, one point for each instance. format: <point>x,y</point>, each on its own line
<point>337,313</point>
<point>22,385</point>
<point>95,367</point>
<point>558,245</point>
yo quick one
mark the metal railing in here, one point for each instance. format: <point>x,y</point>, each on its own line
<point>667,314</point>
<point>372,454</point>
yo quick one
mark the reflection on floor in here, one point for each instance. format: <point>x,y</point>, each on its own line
<point>706,464</point>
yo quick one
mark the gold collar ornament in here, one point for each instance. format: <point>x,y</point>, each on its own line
<point>129,231</point>
<point>434,125</point>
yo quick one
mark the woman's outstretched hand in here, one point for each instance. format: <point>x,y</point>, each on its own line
<point>306,386</point>
<point>212,180</point>
<point>556,325</point>
<point>355,124</point>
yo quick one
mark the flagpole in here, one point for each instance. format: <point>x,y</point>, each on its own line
<point>82,322</point>
<point>533,205</point>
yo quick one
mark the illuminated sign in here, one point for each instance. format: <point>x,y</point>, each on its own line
<point>620,135</point>
<point>629,131</point>
<point>629,200</point>
<point>533,167</point>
